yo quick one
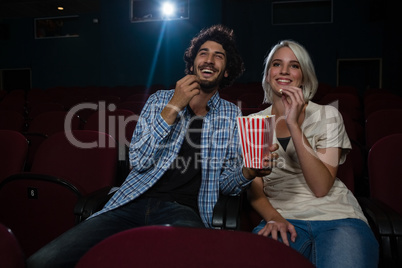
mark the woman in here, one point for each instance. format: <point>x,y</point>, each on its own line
<point>302,202</point>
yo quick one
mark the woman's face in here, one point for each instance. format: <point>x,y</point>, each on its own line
<point>284,70</point>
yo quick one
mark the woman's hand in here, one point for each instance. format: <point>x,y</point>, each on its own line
<point>293,100</point>
<point>281,227</point>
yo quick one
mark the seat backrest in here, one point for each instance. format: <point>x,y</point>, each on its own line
<point>350,126</point>
<point>142,97</point>
<point>346,103</point>
<point>37,208</point>
<point>11,120</point>
<point>322,90</point>
<point>346,174</point>
<point>52,122</point>
<point>46,124</point>
<point>57,94</point>
<point>382,123</point>
<point>385,173</point>
<point>108,99</point>
<point>120,124</point>
<point>11,254</point>
<point>346,89</point>
<point>86,158</point>
<point>36,96</point>
<point>374,95</point>
<point>252,100</point>
<point>345,99</point>
<point>248,111</point>
<point>13,153</point>
<point>43,107</point>
<point>13,103</point>
<point>134,106</point>
<point>395,103</point>
<point>359,161</point>
<point>166,246</point>
<point>72,99</point>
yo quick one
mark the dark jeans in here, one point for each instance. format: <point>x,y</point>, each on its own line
<point>67,249</point>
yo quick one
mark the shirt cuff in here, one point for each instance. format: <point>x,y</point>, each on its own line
<point>161,128</point>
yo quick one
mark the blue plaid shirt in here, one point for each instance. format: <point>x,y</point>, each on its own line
<point>155,145</point>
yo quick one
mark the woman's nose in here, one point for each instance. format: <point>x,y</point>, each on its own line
<point>284,70</point>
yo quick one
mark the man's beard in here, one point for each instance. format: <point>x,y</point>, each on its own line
<point>210,86</point>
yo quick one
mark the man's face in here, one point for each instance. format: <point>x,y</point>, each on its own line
<point>209,65</point>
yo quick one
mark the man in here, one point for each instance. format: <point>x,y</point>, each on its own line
<point>184,152</point>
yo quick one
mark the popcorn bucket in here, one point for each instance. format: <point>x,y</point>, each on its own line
<point>256,136</point>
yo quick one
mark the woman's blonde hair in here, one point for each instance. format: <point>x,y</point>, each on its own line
<point>309,83</point>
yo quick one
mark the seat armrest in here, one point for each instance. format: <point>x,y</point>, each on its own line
<point>219,212</point>
<point>386,224</point>
<point>226,214</point>
<point>89,204</point>
<point>393,216</point>
<point>376,216</point>
<point>233,206</point>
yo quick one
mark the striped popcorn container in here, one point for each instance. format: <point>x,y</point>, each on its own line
<point>256,135</point>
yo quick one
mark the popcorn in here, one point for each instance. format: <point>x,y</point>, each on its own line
<point>256,136</point>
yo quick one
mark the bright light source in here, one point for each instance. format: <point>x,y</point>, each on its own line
<point>167,9</point>
<point>60,8</point>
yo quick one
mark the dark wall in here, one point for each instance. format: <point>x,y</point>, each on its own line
<point>355,33</point>
<point>115,51</point>
<point>112,52</point>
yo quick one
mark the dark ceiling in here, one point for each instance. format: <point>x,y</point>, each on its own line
<point>46,8</point>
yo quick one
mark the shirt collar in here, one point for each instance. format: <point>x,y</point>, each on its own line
<point>214,101</point>
<point>212,104</point>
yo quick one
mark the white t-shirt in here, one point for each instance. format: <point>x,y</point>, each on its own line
<point>286,187</point>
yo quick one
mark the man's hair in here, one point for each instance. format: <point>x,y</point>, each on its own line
<point>224,36</point>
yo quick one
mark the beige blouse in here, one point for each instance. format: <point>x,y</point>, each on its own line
<point>286,187</point>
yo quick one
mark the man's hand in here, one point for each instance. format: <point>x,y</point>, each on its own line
<point>269,162</point>
<point>186,89</point>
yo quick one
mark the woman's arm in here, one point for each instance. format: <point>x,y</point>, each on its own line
<point>275,222</point>
<point>319,167</point>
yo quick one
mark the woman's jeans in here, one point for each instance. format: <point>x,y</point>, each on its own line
<point>336,243</point>
<point>67,249</point>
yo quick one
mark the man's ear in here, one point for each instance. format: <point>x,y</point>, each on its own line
<point>192,69</point>
<point>226,74</point>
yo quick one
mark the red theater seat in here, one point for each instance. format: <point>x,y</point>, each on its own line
<point>165,246</point>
